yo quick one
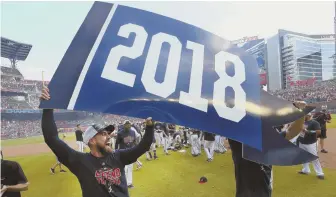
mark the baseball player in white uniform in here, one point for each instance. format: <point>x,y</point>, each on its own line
<point>195,143</point>
<point>152,149</point>
<point>79,138</point>
<point>308,142</point>
<point>58,163</point>
<point>219,144</point>
<point>209,145</point>
<point>127,137</point>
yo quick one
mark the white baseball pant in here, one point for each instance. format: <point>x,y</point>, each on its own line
<point>219,144</point>
<point>177,139</point>
<point>189,137</point>
<point>312,148</point>
<point>209,148</point>
<point>129,174</point>
<point>170,141</point>
<point>195,146</point>
<point>165,144</point>
<point>157,139</point>
<point>161,141</point>
<point>80,145</point>
<point>152,148</point>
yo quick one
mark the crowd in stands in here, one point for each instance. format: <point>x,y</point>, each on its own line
<point>319,92</point>
<point>10,71</point>
<point>13,85</point>
<point>19,129</point>
<point>9,102</point>
<point>11,129</point>
<point>12,81</point>
<point>17,86</point>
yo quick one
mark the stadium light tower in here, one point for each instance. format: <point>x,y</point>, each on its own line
<point>14,51</point>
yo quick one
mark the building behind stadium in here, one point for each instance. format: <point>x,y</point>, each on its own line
<point>291,58</point>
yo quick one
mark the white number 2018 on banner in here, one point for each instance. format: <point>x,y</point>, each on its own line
<point>192,98</point>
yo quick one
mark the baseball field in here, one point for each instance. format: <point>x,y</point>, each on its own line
<point>175,175</point>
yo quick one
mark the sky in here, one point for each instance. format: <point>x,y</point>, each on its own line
<point>51,26</point>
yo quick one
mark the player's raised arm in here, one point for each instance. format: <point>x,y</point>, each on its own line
<point>50,134</point>
<point>128,156</point>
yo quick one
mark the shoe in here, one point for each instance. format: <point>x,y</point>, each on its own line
<point>62,171</point>
<point>321,177</point>
<point>52,171</point>
<point>303,173</point>
<point>155,157</point>
<point>149,159</point>
<point>130,186</point>
<point>167,153</point>
<point>324,151</point>
<point>209,160</point>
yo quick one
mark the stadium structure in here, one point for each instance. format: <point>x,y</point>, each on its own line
<point>20,115</point>
<point>255,47</point>
<point>298,57</point>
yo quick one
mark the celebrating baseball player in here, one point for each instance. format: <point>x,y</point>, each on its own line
<point>153,148</point>
<point>209,145</point>
<point>219,144</point>
<point>58,163</point>
<point>165,134</point>
<point>79,138</point>
<point>323,117</point>
<point>308,141</point>
<point>126,138</point>
<point>102,171</point>
<point>195,143</point>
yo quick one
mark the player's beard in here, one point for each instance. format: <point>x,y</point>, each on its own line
<point>105,150</point>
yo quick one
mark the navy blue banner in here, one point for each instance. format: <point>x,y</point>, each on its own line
<point>143,64</point>
<point>132,62</point>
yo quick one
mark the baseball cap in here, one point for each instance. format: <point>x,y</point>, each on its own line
<point>92,130</point>
<point>127,122</point>
<point>203,179</point>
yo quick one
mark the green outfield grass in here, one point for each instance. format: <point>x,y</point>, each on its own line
<point>176,175</point>
<point>332,125</point>
<point>71,137</point>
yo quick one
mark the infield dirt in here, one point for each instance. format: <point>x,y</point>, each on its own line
<point>327,160</point>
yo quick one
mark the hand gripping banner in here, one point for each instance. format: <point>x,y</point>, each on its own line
<point>132,62</point>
